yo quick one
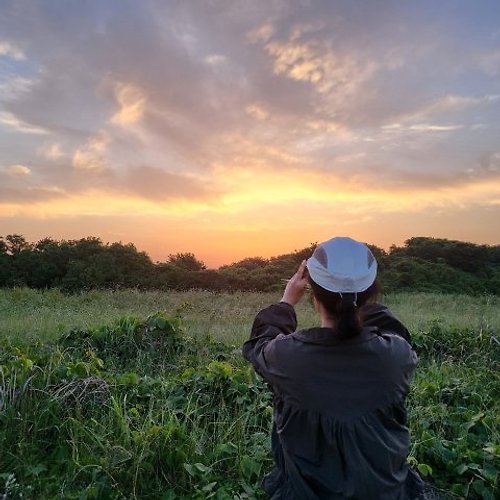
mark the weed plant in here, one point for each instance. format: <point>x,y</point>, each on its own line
<point>108,402</point>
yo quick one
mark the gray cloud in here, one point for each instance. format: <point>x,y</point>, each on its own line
<point>155,184</point>
<point>60,180</point>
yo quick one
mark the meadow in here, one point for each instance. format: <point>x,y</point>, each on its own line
<point>130,394</point>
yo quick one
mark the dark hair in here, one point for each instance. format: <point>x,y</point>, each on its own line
<point>345,308</point>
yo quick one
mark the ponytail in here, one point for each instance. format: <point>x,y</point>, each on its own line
<point>344,308</point>
<point>348,322</point>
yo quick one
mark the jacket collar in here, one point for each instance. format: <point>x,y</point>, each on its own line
<point>327,336</point>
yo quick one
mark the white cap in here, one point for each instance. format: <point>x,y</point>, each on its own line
<point>342,265</point>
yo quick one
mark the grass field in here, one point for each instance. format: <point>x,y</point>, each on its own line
<point>99,399</point>
<point>28,315</point>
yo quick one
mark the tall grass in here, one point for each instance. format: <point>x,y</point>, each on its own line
<point>28,316</point>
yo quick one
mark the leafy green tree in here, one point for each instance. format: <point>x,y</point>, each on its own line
<point>6,270</point>
<point>422,264</point>
<point>458,254</point>
<point>134,267</point>
<point>3,246</point>
<point>249,264</point>
<point>16,244</point>
<point>186,261</point>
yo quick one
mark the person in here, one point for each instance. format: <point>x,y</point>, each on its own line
<point>339,417</point>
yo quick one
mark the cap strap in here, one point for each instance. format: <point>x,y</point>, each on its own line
<point>355,301</point>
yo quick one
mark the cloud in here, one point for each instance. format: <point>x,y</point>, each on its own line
<point>245,151</point>
<point>319,64</point>
<point>18,170</point>
<point>261,34</point>
<point>268,191</point>
<point>151,186</point>
<point>10,50</point>
<point>421,127</point>
<point>215,59</point>
<point>488,164</point>
<point>449,104</point>
<point>328,128</point>
<point>88,160</point>
<point>132,103</point>
<point>14,87</point>
<point>12,121</point>
<point>257,112</point>
<point>20,187</point>
<point>156,184</point>
<point>51,151</point>
<point>91,157</point>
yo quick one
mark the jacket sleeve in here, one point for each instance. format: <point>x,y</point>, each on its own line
<point>380,316</point>
<point>270,325</point>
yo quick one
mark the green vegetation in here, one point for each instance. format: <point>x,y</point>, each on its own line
<point>422,264</point>
<point>101,399</point>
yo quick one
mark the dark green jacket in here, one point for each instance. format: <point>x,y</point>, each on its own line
<point>339,426</point>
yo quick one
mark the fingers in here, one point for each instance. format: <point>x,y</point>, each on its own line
<point>302,266</point>
<point>296,286</point>
<point>301,270</point>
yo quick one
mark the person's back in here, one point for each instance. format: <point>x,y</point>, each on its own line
<point>339,427</point>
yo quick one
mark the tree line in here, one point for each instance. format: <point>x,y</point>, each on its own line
<point>421,264</point>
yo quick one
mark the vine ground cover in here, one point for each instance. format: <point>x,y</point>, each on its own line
<point>100,399</point>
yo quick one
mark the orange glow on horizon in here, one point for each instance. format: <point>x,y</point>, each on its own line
<point>242,191</point>
<point>257,213</point>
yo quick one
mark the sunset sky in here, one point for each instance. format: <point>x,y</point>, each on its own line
<point>236,128</point>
